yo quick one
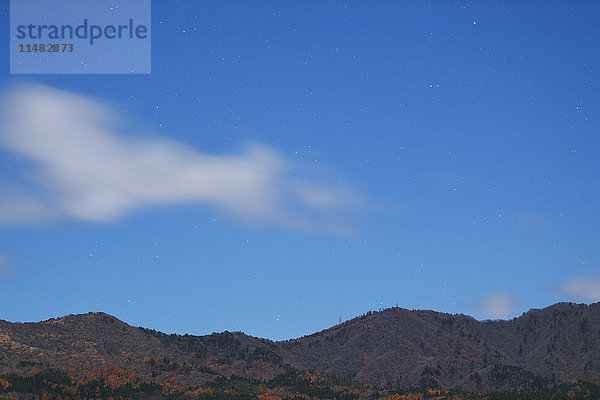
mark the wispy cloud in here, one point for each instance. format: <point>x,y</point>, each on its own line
<point>497,305</point>
<point>586,288</point>
<point>5,266</point>
<point>84,167</point>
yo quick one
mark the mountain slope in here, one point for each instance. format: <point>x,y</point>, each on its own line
<point>82,343</point>
<point>401,348</point>
<point>392,348</point>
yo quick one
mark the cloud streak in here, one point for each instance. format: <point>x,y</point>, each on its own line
<point>497,305</point>
<point>83,167</point>
<point>586,288</point>
<point>6,266</point>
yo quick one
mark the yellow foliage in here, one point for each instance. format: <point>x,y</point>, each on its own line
<point>4,384</point>
<point>203,391</point>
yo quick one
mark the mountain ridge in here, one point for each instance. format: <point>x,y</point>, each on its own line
<point>393,348</point>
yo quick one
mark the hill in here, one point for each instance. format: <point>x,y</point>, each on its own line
<point>555,351</point>
<point>402,348</point>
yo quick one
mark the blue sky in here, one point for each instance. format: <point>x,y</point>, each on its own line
<point>286,164</point>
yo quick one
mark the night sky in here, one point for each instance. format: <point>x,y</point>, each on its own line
<point>288,164</point>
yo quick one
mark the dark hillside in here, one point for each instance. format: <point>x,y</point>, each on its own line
<point>552,349</point>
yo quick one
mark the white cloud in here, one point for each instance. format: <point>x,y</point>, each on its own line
<point>84,168</point>
<point>497,305</point>
<point>586,288</point>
